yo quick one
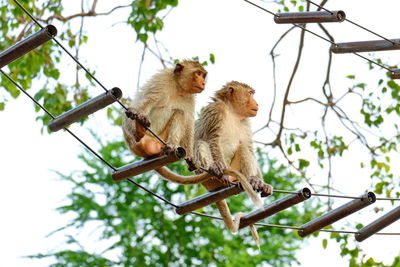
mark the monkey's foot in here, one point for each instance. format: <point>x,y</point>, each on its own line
<point>136,115</point>
<point>260,186</point>
<point>217,168</point>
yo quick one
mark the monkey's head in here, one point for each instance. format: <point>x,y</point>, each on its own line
<point>190,77</point>
<point>240,97</point>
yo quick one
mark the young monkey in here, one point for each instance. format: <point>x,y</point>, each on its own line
<point>223,134</point>
<point>166,102</point>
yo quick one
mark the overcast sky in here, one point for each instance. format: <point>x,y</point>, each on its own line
<point>241,37</point>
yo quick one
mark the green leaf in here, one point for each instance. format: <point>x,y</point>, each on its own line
<point>324,243</point>
<point>212,58</point>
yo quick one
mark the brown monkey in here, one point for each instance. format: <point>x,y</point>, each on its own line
<point>166,102</point>
<point>223,134</point>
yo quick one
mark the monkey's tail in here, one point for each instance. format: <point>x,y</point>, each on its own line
<point>180,179</point>
<point>246,186</point>
<point>255,235</point>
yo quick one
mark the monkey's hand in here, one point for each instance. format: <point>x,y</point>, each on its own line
<point>191,165</point>
<point>260,186</point>
<point>217,169</point>
<point>168,149</point>
<point>142,122</point>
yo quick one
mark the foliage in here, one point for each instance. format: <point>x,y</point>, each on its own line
<point>146,231</point>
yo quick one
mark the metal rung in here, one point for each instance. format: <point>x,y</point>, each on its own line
<point>310,17</point>
<point>395,74</point>
<point>85,109</point>
<point>378,224</point>
<point>275,207</point>
<point>208,198</point>
<point>24,46</point>
<point>365,46</point>
<point>148,164</point>
<point>337,214</point>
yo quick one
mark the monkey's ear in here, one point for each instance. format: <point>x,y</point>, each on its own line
<point>231,90</point>
<point>178,68</point>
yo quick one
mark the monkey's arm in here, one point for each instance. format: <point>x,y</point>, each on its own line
<point>175,129</point>
<point>135,120</point>
<point>250,169</point>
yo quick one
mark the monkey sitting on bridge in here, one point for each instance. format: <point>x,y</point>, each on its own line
<point>223,135</point>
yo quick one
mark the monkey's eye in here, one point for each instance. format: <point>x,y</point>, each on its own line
<point>251,93</point>
<point>199,73</point>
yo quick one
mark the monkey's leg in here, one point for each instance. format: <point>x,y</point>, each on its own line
<point>150,145</point>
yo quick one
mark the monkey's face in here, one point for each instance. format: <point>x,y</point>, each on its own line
<point>246,106</point>
<point>252,105</point>
<point>197,83</point>
<point>191,79</point>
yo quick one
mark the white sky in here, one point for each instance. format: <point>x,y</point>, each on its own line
<point>241,37</point>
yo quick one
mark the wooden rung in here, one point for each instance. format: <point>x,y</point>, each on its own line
<point>275,207</point>
<point>208,198</point>
<point>378,224</point>
<point>310,17</point>
<point>148,164</point>
<point>366,46</point>
<point>337,214</point>
<point>24,46</point>
<point>85,109</point>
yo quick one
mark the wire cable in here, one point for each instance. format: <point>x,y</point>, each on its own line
<point>144,188</point>
<point>51,115</point>
<point>323,38</point>
<point>164,199</point>
<point>354,23</point>
<point>288,226</point>
<point>83,67</point>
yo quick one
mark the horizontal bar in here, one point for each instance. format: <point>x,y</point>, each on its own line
<point>310,17</point>
<point>395,74</point>
<point>28,44</point>
<point>208,198</point>
<point>365,46</point>
<point>337,214</point>
<point>378,224</point>
<point>148,164</point>
<point>275,207</point>
<point>85,109</point>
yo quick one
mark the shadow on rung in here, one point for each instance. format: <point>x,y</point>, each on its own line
<point>85,109</point>
<point>28,44</point>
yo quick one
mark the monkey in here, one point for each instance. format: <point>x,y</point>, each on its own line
<point>223,134</point>
<point>166,102</point>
